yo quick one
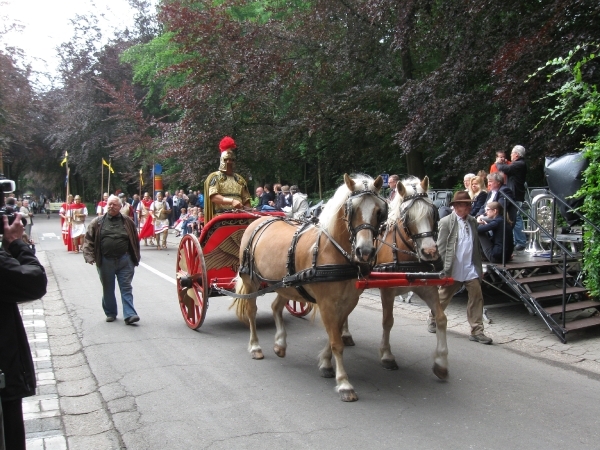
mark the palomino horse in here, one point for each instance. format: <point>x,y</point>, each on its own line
<point>318,262</point>
<point>410,246</point>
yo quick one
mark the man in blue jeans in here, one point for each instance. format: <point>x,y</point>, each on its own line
<point>516,173</point>
<point>112,243</point>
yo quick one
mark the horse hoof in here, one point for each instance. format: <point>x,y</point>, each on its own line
<point>440,372</point>
<point>279,351</point>
<point>327,372</point>
<point>389,364</point>
<point>348,341</point>
<point>348,395</point>
<point>257,354</point>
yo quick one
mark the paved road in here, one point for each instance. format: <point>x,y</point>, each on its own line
<point>160,385</point>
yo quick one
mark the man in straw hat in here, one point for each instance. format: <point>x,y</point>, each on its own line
<point>458,244</point>
<point>224,189</point>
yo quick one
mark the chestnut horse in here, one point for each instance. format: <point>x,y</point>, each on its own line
<point>410,246</point>
<point>324,258</point>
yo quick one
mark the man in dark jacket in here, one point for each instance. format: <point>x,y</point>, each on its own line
<point>516,173</point>
<point>192,198</point>
<point>268,196</point>
<point>22,278</point>
<point>169,200</point>
<point>111,242</point>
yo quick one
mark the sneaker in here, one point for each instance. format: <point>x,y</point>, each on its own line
<point>481,338</point>
<point>132,319</point>
<point>431,327</point>
<point>519,248</point>
<point>110,318</point>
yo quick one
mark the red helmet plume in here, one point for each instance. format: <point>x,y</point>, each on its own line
<point>226,143</point>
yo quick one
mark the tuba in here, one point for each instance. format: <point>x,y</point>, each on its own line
<point>541,211</point>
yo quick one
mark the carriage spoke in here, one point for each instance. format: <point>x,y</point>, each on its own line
<point>190,267</point>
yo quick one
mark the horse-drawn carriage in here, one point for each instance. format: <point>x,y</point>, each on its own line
<point>329,262</point>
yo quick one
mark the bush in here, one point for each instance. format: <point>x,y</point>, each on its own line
<point>577,106</point>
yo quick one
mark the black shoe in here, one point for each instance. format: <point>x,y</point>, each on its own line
<point>132,319</point>
<point>110,318</point>
<point>519,248</point>
<point>481,338</point>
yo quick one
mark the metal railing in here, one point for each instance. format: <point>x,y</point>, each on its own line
<point>549,235</point>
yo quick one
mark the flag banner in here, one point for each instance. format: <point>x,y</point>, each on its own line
<point>108,165</point>
<point>64,161</point>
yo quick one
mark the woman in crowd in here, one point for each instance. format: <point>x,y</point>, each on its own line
<point>493,235</point>
<point>478,193</point>
<point>178,225</point>
<point>187,225</point>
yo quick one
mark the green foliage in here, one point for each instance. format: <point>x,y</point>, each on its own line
<point>149,62</point>
<point>577,106</point>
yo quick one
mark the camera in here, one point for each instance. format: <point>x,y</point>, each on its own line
<point>6,187</point>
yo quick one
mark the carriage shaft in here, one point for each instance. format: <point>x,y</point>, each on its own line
<point>391,282</point>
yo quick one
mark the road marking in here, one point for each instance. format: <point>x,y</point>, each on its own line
<point>160,274</point>
<point>50,236</point>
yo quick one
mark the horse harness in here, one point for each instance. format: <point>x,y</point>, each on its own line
<point>410,266</point>
<point>314,274</point>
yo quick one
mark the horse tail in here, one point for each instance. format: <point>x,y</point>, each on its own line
<point>314,311</point>
<point>241,304</point>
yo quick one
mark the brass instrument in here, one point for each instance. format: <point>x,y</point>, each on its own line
<point>541,211</point>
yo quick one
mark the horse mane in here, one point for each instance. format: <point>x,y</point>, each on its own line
<point>418,210</point>
<point>328,216</point>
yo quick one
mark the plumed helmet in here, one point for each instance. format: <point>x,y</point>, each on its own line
<point>227,143</point>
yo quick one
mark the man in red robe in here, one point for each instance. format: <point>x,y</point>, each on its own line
<point>66,219</point>
<point>145,219</point>
<point>101,207</point>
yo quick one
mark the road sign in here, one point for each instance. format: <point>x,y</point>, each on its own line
<point>386,177</point>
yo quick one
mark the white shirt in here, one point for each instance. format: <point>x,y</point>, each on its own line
<point>463,268</point>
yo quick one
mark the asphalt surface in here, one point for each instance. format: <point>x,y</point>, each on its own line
<point>159,385</point>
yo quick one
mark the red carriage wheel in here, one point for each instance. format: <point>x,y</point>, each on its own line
<point>192,281</point>
<point>298,309</point>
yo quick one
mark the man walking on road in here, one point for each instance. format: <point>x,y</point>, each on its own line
<point>458,244</point>
<point>112,243</point>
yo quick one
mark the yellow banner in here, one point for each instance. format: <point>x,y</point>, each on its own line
<point>108,165</point>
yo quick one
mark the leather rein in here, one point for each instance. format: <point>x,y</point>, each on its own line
<point>314,274</point>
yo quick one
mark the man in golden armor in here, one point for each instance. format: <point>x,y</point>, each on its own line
<point>160,215</point>
<point>225,190</point>
<point>79,213</point>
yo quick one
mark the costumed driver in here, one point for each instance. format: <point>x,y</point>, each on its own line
<point>225,189</point>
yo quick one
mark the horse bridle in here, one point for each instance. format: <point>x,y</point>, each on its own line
<point>349,212</point>
<point>410,200</point>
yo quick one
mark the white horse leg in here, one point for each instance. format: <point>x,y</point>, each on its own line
<point>440,364</point>
<point>388,360</point>
<point>336,346</point>
<point>280,336</point>
<point>346,336</point>
<point>253,345</point>
<point>325,366</point>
